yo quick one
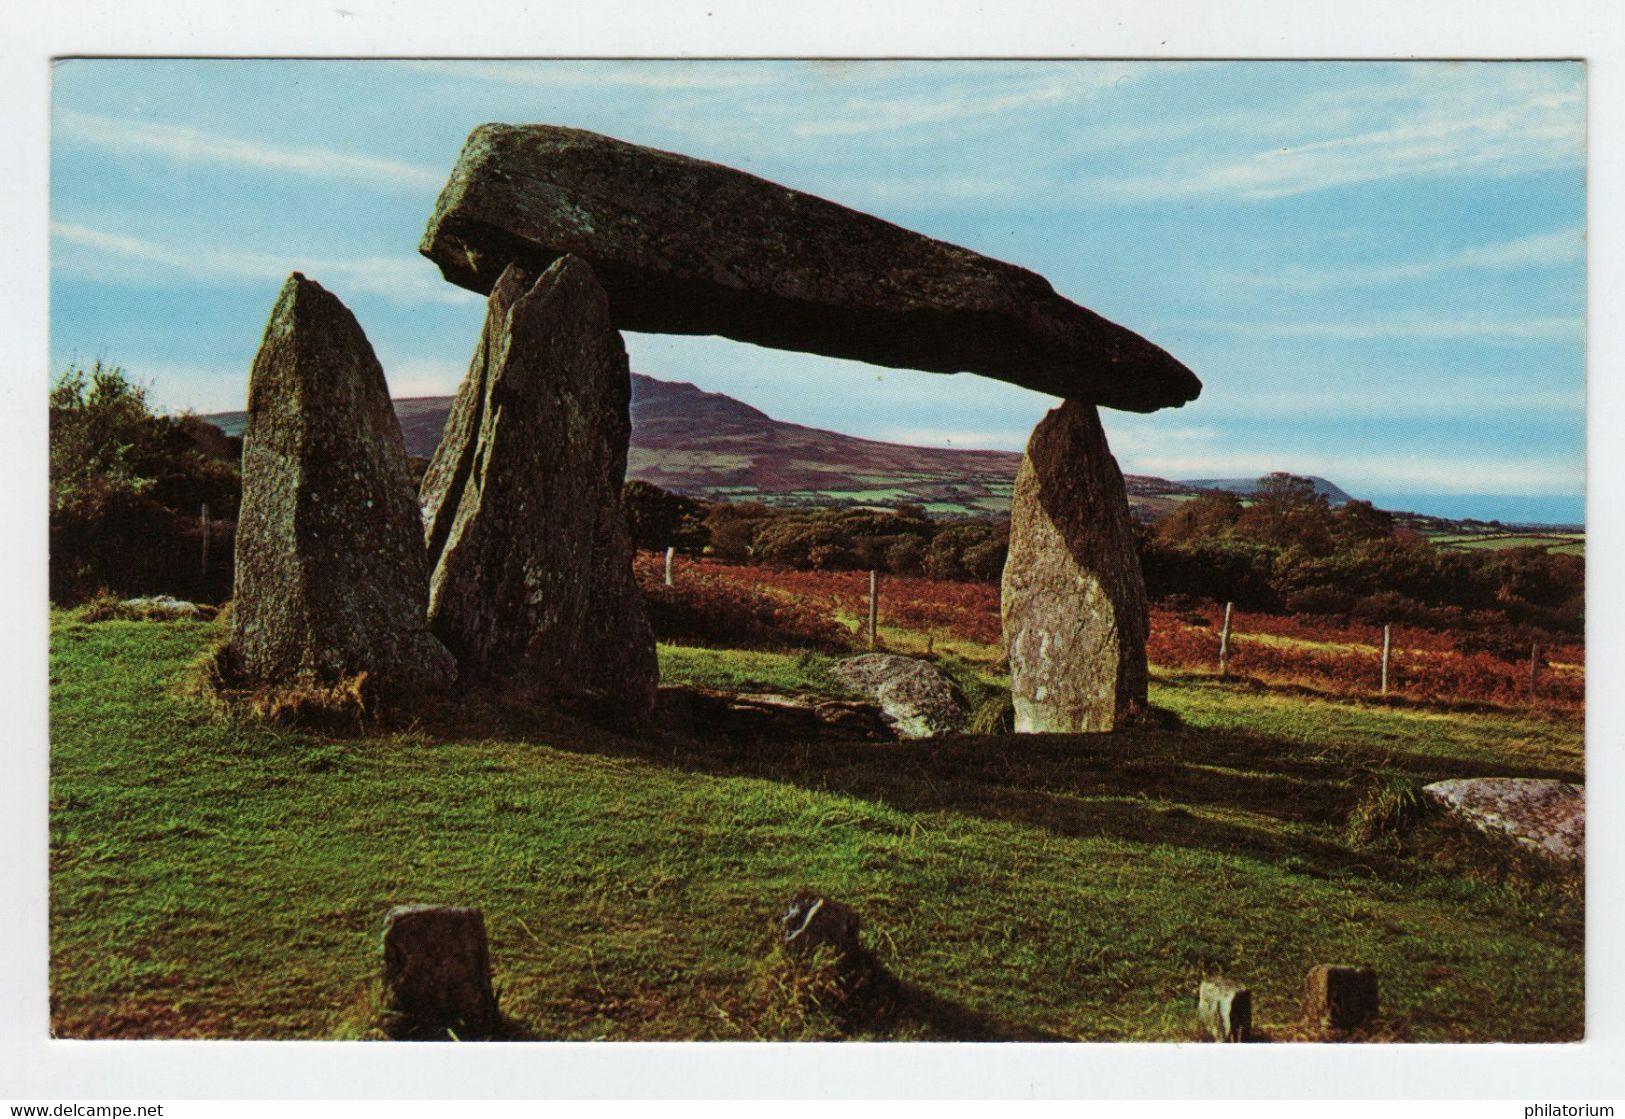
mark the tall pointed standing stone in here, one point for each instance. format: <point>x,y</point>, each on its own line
<point>330,573</point>
<point>530,555</point>
<point>1073,598</point>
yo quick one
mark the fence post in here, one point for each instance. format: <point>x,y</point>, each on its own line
<point>874,607</point>
<point>1534,663</point>
<point>670,550</point>
<point>1385,647</point>
<point>1224,642</point>
<point>203,520</point>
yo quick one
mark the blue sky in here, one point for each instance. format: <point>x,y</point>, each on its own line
<point>1377,269</point>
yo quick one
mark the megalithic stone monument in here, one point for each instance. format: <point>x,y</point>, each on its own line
<point>532,561</point>
<point>1073,598</point>
<point>684,246</point>
<point>330,575</point>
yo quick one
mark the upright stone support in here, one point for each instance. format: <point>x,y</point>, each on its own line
<point>1073,600</point>
<point>330,577</point>
<point>532,561</point>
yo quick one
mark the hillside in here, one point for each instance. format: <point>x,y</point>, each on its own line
<point>710,445</point>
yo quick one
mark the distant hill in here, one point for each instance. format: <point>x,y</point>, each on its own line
<point>713,446</point>
<point>1334,494</point>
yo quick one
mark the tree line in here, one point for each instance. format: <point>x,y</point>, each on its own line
<point>127,487</point>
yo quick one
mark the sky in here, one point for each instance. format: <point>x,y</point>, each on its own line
<point>1377,269</point>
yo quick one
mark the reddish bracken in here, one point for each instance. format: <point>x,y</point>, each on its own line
<point>1313,651</point>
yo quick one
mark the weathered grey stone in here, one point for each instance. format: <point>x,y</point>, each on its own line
<point>1539,815</point>
<point>330,575</point>
<point>917,699</point>
<point>163,606</point>
<point>1340,997</point>
<point>532,563</point>
<point>437,973</point>
<point>1224,1008</point>
<point>684,246</point>
<point>813,921</point>
<point>1073,599</point>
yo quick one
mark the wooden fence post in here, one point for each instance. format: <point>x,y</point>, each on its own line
<point>1224,642</point>
<point>203,520</point>
<point>1385,647</point>
<point>874,608</point>
<point>1534,664</point>
<point>670,550</point>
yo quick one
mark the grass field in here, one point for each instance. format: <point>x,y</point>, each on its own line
<point>220,879</point>
<point>1557,543</point>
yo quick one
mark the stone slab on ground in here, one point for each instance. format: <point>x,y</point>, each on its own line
<point>684,246</point>
<point>1536,814</point>
<point>917,699</point>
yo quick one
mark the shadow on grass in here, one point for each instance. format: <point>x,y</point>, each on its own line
<point>1159,786</point>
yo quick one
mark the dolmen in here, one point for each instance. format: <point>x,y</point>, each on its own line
<point>525,572</point>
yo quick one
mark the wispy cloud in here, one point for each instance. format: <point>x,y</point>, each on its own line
<point>408,280</point>
<point>979,439</point>
<point>195,145</point>
<point>1489,121</point>
<point>967,100</point>
<point>1508,330</point>
<point>577,74</point>
<point>1543,250</point>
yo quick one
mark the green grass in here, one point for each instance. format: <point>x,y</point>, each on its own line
<point>212,879</point>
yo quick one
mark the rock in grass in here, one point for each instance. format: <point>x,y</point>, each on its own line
<point>1225,1010</point>
<point>1340,997</point>
<point>330,578</point>
<point>1534,814</point>
<point>532,561</point>
<point>1073,599</point>
<point>689,247</point>
<point>917,699</point>
<point>813,921</point>
<point>437,973</point>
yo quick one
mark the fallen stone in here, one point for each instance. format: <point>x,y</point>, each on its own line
<point>767,717</point>
<point>532,562</point>
<point>813,921</point>
<point>330,577</point>
<point>163,606</point>
<point>917,699</point>
<point>437,973</point>
<point>1340,997</point>
<point>1225,1010</point>
<point>1543,816</point>
<point>1073,599</point>
<point>684,246</point>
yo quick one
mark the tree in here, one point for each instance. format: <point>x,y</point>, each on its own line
<point>657,518</point>
<point>1287,511</point>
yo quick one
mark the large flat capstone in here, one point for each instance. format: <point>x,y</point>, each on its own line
<point>330,575</point>
<point>531,559</point>
<point>1073,598</point>
<point>684,246</point>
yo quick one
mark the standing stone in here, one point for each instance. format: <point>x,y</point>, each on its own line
<point>1073,599</point>
<point>684,246</point>
<point>531,559</point>
<point>813,921</point>
<point>1225,1010</point>
<point>330,575</point>
<point>1340,997</point>
<point>437,973</point>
